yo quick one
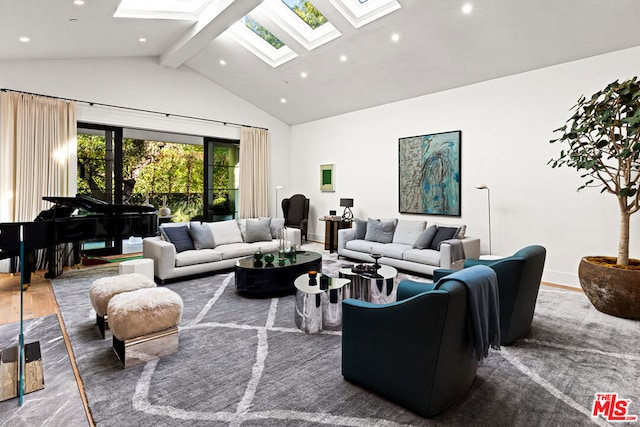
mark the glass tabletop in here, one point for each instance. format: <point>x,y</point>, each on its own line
<point>301,257</point>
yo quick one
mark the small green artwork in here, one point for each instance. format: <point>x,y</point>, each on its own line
<point>326,178</point>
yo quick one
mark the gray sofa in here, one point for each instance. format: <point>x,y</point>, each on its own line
<point>190,249</point>
<point>408,245</point>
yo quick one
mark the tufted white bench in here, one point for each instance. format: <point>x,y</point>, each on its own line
<point>105,288</point>
<point>144,324</point>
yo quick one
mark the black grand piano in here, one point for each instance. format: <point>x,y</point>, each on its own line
<point>75,220</point>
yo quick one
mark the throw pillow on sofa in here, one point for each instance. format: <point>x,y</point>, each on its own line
<point>179,236</point>
<point>406,231</point>
<point>443,233</point>
<point>380,231</point>
<point>225,232</point>
<point>276,224</point>
<point>424,239</point>
<point>201,235</point>
<point>461,229</point>
<point>258,230</point>
<point>361,228</point>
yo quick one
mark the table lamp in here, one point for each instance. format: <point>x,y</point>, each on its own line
<point>347,215</point>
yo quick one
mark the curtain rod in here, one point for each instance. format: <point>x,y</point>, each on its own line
<point>137,109</point>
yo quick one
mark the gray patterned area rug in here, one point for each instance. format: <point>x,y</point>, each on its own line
<point>59,402</point>
<point>243,362</point>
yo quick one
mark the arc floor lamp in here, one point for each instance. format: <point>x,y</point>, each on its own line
<point>484,187</point>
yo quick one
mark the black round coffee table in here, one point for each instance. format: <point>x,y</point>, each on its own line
<point>258,277</point>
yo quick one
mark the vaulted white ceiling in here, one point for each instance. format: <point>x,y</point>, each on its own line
<point>438,46</point>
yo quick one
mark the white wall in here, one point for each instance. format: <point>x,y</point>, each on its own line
<point>144,84</point>
<point>506,127</point>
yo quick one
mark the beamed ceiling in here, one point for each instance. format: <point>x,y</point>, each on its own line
<point>438,47</point>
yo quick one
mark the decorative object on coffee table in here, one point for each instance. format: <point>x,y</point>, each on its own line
<point>376,257</point>
<point>364,269</point>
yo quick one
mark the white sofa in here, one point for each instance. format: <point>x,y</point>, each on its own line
<point>228,241</point>
<point>407,245</point>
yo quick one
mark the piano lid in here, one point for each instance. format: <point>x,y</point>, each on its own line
<point>91,205</point>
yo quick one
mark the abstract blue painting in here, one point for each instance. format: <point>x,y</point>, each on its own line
<point>429,174</point>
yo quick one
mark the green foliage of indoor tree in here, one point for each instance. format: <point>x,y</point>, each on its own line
<point>601,141</point>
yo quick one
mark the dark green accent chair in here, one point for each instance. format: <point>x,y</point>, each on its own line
<point>519,279</point>
<point>418,351</point>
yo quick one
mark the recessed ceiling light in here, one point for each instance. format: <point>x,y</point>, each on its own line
<point>223,62</point>
<point>283,100</point>
<point>78,2</point>
<point>24,39</point>
<point>343,58</point>
<point>395,37</point>
<point>142,40</point>
<point>303,75</point>
<point>467,8</point>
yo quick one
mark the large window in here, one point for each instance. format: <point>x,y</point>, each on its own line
<point>132,166</point>
<point>222,173</point>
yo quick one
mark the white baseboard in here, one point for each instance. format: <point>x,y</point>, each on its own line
<point>561,278</point>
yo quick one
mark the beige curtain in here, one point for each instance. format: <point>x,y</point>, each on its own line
<point>38,138</point>
<point>254,173</point>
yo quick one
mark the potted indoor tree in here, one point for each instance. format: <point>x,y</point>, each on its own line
<point>601,140</point>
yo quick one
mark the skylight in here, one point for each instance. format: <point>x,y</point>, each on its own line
<point>265,34</point>
<point>307,12</point>
<point>270,49</point>
<point>282,14</point>
<point>161,9</point>
<point>359,12</point>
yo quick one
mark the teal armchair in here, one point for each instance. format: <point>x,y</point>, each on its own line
<point>519,279</point>
<point>418,351</point>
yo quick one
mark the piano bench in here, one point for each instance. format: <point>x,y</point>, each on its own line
<point>144,324</point>
<point>105,288</point>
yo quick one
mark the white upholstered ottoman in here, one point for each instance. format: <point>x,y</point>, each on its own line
<point>142,266</point>
<point>103,289</point>
<point>144,324</point>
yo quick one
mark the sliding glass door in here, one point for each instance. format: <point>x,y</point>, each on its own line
<point>222,175</point>
<point>100,174</point>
